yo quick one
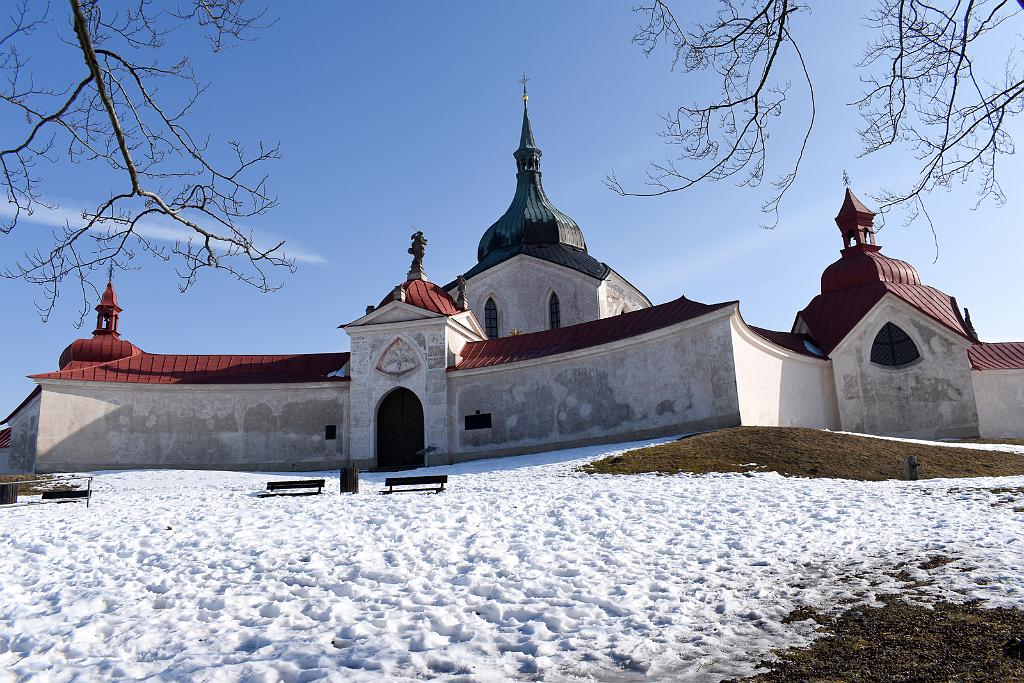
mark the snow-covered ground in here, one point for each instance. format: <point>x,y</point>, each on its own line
<point>524,569</point>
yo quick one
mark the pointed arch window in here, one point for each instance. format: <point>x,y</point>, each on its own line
<point>554,312</point>
<point>491,319</point>
<point>893,347</point>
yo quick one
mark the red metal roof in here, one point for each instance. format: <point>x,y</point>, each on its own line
<point>863,264</point>
<point>151,368</point>
<point>997,356</point>
<point>426,295</point>
<point>538,344</point>
<point>852,207</point>
<point>5,438</point>
<point>831,316</point>
<point>98,349</point>
<point>109,298</point>
<point>787,340</point>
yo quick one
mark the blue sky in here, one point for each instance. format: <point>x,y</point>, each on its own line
<point>393,115</point>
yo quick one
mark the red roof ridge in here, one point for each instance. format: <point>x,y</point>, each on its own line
<point>5,438</point>
<point>598,332</point>
<point>996,356</point>
<point>791,341</point>
<point>426,295</point>
<point>152,368</point>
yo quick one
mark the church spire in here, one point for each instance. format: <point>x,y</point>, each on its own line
<point>107,312</point>
<point>528,155</point>
<point>531,219</point>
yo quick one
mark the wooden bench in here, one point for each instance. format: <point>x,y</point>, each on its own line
<point>424,484</point>
<point>274,486</point>
<point>68,495</point>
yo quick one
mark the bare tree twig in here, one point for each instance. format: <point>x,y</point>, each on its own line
<point>111,116</point>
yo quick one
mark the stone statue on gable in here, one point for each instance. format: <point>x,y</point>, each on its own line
<point>418,248</point>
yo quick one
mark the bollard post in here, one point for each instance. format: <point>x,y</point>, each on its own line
<point>911,468</point>
<point>349,479</point>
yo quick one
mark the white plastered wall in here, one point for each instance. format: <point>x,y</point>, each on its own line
<point>521,289</point>
<point>21,457</point>
<point>669,381</point>
<point>101,425</point>
<point>436,340</point>
<point>617,296</point>
<point>780,388</point>
<point>933,397</point>
<point>1000,397</point>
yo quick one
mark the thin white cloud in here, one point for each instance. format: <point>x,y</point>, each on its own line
<point>59,217</point>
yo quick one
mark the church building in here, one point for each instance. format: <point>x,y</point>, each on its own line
<point>537,346</point>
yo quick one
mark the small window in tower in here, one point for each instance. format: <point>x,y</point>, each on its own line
<point>554,312</point>
<point>491,319</point>
<point>892,347</point>
<point>331,432</point>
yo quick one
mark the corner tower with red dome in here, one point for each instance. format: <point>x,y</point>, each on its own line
<point>899,348</point>
<point>106,344</point>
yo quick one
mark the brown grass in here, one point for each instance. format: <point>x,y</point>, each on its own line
<point>800,452</point>
<point>905,642</point>
<point>33,489</point>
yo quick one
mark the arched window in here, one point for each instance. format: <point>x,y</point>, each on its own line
<point>893,347</point>
<point>491,319</point>
<point>554,312</point>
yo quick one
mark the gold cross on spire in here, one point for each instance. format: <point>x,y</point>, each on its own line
<point>524,80</point>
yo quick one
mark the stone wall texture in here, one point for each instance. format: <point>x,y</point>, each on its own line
<point>931,398</point>
<point>88,426</point>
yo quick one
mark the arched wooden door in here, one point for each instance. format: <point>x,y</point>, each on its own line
<point>399,431</point>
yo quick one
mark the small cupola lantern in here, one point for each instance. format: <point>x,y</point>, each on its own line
<point>107,312</point>
<point>856,222</point>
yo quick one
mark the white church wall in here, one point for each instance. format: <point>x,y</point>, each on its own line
<point>428,341</point>
<point>616,296</point>
<point>780,388</point>
<point>521,288</point>
<point>21,458</point>
<point>670,381</point>
<point>933,397</point>
<point>99,425</point>
<point>1000,397</point>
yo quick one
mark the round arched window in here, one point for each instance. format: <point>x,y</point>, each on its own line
<point>893,347</point>
<point>554,312</point>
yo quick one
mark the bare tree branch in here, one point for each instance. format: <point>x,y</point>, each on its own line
<point>726,138</point>
<point>925,92</point>
<point>112,117</point>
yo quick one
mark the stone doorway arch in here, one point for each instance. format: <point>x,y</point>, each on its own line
<point>400,431</point>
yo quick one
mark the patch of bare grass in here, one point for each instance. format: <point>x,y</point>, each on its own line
<point>801,452</point>
<point>906,642</point>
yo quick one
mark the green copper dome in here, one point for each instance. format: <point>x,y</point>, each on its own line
<point>531,219</point>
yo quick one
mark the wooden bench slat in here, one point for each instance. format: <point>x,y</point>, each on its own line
<point>55,495</point>
<point>291,485</point>
<point>392,482</point>
<point>298,484</point>
<point>414,481</point>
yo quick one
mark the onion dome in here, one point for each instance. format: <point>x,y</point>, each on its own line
<point>423,294</point>
<point>531,218</point>
<point>863,265</point>
<point>100,349</point>
<point>106,344</point>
